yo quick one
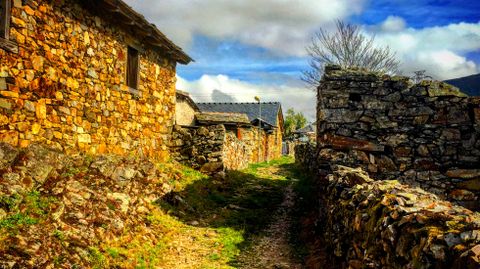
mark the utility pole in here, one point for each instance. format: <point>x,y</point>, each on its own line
<point>259,126</point>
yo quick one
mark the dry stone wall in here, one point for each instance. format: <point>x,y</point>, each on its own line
<point>66,86</point>
<point>199,147</point>
<point>367,223</point>
<point>384,224</point>
<point>212,149</point>
<point>427,134</point>
<point>238,152</point>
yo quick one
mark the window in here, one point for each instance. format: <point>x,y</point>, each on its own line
<point>132,68</point>
<point>5,43</point>
<point>5,18</point>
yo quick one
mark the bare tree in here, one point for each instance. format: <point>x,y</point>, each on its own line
<point>420,75</point>
<point>347,47</point>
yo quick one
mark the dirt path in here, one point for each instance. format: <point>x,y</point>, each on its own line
<point>273,249</point>
<point>244,220</point>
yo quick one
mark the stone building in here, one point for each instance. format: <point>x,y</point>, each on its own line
<point>226,136</point>
<point>269,138</point>
<point>307,133</point>
<point>185,109</point>
<point>93,76</point>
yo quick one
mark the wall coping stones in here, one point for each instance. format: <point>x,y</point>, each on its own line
<point>389,126</point>
<point>369,223</point>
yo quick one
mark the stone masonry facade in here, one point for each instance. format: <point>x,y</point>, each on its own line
<point>66,85</point>
<point>215,148</point>
<point>426,134</point>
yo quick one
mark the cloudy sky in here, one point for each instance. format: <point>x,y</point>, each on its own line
<point>244,48</point>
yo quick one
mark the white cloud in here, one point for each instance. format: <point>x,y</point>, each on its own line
<point>280,25</point>
<point>439,50</point>
<point>290,95</point>
<point>393,24</point>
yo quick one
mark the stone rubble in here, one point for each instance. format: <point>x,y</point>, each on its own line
<point>369,223</point>
<point>82,200</point>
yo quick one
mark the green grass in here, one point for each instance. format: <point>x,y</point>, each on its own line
<point>230,239</point>
<point>238,207</point>
<point>29,209</point>
<point>59,235</point>
<point>96,258</point>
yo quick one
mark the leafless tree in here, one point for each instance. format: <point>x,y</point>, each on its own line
<point>347,47</point>
<point>420,75</point>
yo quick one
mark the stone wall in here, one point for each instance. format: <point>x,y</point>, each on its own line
<point>289,148</point>
<point>306,156</point>
<point>66,85</point>
<point>238,151</point>
<point>426,134</point>
<point>384,224</point>
<point>199,147</point>
<point>185,109</point>
<point>269,144</point>
<point>211,149</point>
<point>367,223</point>
<point>184,113</point>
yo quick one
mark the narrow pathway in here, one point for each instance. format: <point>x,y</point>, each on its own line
<point>244,220</point>
<point>273,249</point>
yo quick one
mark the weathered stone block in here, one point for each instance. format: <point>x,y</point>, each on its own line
<point>340,142</point>
<point>471,185</point>
<point>476,112</point>
<point>5,103</point>
<point>339,115</point>
<point>436,88</point>
<point>212,167</point>
<point>464,173</point>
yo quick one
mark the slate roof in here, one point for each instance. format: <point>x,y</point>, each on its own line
<point>270,110</point>
<point>311,128</point>
<point>223,118</point>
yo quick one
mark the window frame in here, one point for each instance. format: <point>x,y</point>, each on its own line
<point>133,54</point>
<point>6,6</point>
<point>5,18</point>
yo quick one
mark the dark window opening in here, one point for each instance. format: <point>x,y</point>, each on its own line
<point>132,68</point>
<point>5,18</point>
<point>355,97</point>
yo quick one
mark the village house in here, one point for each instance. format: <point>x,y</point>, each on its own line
<point>306,134</point>
<point>226,136</point>
<point>185,109</point>
<point>268,141</point>
<point>93,76</point>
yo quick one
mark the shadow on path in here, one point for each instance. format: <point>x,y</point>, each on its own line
<point>257,202</point>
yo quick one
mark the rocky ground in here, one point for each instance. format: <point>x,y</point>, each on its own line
<point>60,211</point>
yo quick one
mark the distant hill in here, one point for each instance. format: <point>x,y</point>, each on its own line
<point>469,85</point>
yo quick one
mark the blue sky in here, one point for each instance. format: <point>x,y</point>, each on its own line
<point>421,13</point>
<point>245,48</point>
